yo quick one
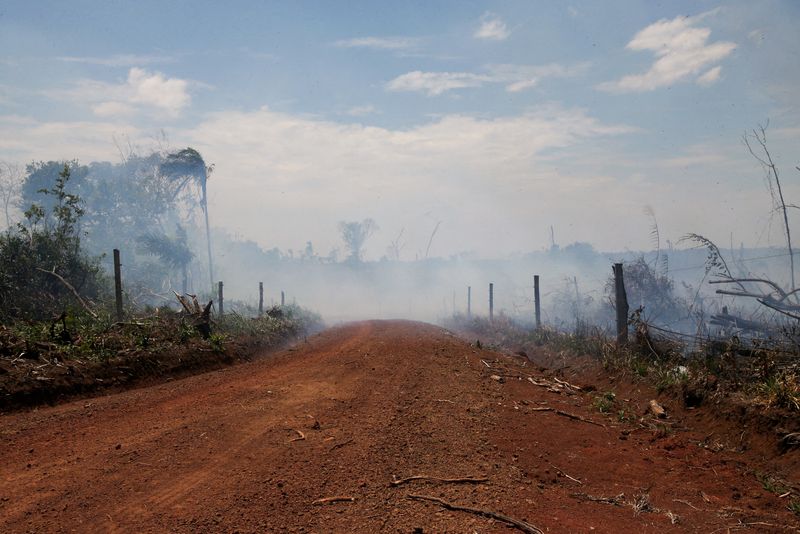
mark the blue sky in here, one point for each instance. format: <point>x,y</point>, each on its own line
<point>498,119</point>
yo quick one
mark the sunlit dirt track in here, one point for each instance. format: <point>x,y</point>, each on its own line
<point>252,447</point>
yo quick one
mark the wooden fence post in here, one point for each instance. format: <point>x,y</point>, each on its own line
<point>469,302</point>
<point>491,301</point>
<point>536,303</point>
<point>283,298</point>
<point>621,304</point>
<point>118,284</point>
<point>260,299</point>
<point>219,297</point>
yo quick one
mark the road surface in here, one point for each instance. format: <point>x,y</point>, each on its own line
<point>256,447</point>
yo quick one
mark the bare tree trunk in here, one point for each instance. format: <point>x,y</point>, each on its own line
<point>208,239</point>
<point>760,135</point>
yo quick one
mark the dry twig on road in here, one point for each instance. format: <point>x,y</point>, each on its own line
<point>568,415</point>
<point>617,500</point>
<point>329,500</point>
<point>300,436</point>
<point>339,445</point>
<point>463,480</point>
<point>566,475</point>
<point>521,525</point>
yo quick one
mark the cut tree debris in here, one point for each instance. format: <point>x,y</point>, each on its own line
<point>559,386</point>
<point>202,316</point>
<point>521,525</point>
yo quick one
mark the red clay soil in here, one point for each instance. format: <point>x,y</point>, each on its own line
<point>253,448</point>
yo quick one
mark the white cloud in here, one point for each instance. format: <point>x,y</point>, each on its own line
<point>142,91</point>
<point>24,139</point>
<point>710,76</point>
<point>492,28</point>
<point>338,170</point>
<point>113,109</point>
<point>682,51</point>
<point>119,60</point>
<point>169,94</point>
<point>360,111</point>
<point>435,83</point>
<point>379,43</point>
<point>515,77</point>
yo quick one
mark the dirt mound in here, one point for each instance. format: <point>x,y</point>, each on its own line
<point>378,426</point>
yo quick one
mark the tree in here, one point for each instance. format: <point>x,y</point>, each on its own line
<point>187,167</point>
<point>354,235</point>
<point>10,188</point>
<point>42,263</point>
<point>174,252</point>
<point>769,293</point>
<point>762,155</point>
<point>39,179</point>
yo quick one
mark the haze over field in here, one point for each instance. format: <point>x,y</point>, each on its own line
<point>498,119</point>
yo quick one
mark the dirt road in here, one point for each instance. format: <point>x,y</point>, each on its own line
<point>252,447</point>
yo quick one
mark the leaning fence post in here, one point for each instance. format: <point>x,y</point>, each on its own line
<point>283,298</point>
<point>621,304</point>
<point>491,301</point>
<point>260,299</point>
<point>469,302</point>
<point>536,303</point>
<point>118,284</point>
<point>219,297</point>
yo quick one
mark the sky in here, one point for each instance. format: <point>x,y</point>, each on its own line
<point>494,120</point>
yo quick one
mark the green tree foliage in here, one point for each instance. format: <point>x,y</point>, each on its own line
<point>46,244</point>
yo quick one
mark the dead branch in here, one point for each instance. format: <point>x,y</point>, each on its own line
<point>184,302</point>
<point>463,480</point>
<point>524,526</point>
<point>726,319</point>
<point>339,445</point>
<point>771,170</point>
<point>71,288</point>
<point>566,475</point>
<point>567,384</point>
<point>568,415</point>
<point>780,309</point>
<point>329,500</point>
<point>579,418</point>
<point>615,501</point>
<point>739,293</point>
<point>550,386</point>
<point>770,283</point>
<point>430,241</point>
<point>300,436</point>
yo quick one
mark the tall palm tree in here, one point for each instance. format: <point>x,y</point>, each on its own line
<point>186,167</point>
